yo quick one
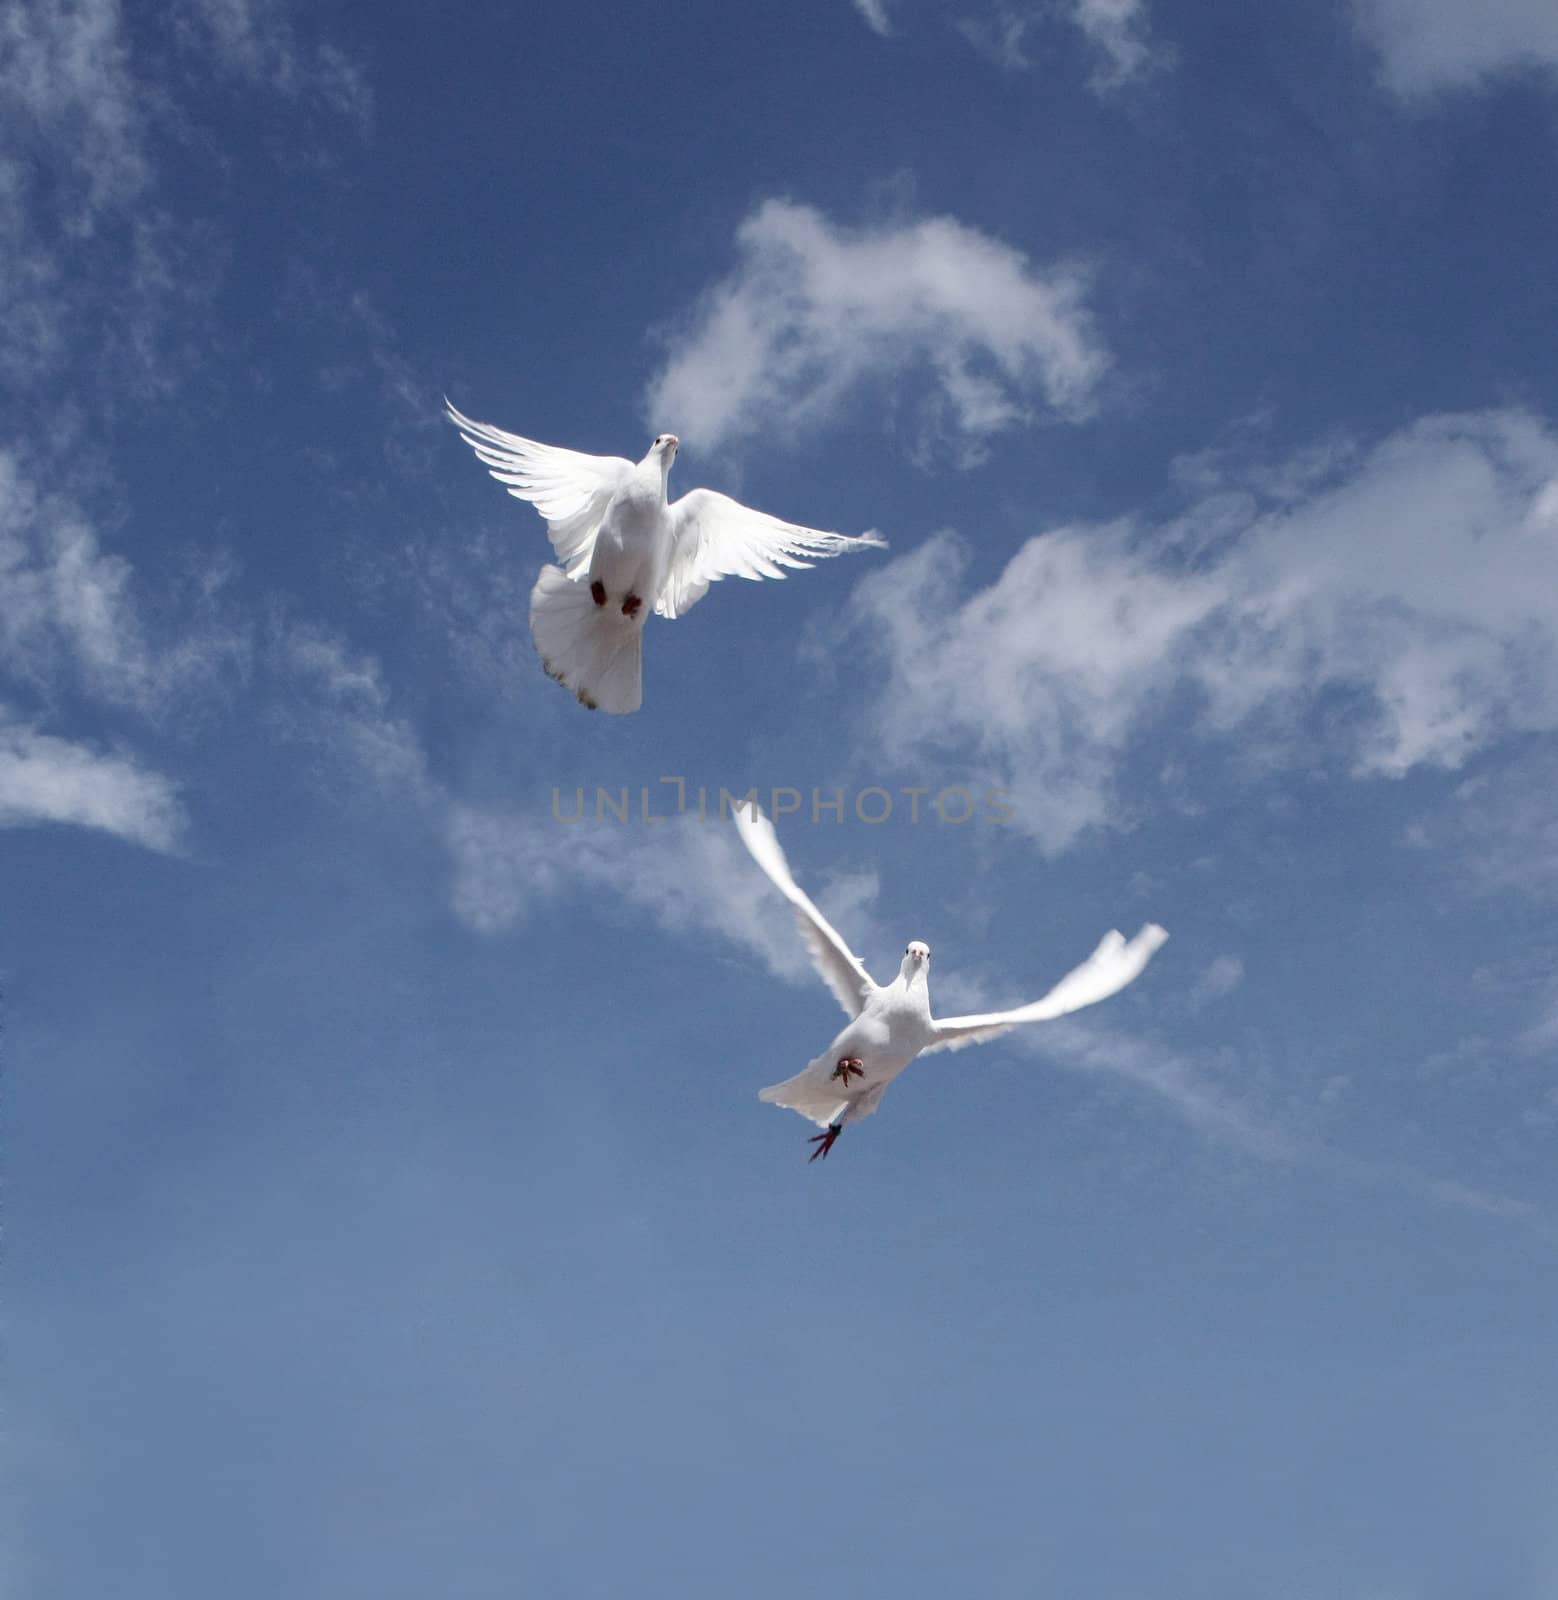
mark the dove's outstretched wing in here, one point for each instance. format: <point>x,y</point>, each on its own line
<point>1111,966</point>
<point>838,965</point>
<point>717,537</point>
<point>570,489</point>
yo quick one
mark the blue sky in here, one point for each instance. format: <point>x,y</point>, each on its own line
<point>390,1207</point>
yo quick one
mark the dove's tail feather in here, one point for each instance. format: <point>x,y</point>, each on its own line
<point>817,1096</point>
<point>595,650</point>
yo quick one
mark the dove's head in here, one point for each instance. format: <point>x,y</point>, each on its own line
<point>665,447</point>
<point>916,961</point>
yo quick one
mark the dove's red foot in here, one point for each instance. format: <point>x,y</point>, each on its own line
<point>598,592</point>
<point>630,606</point>
<point>824,1141</point>
<point>848,1067</point>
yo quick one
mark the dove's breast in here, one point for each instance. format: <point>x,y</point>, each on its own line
<point>896,1028</point>
<point>633,547</point>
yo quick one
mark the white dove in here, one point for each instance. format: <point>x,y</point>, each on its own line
<point>625,551</point>
<point>890,1025</point>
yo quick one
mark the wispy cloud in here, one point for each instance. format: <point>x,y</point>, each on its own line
<point>67,87</point>
<point>1501,825</point>
<point>815,311</point>
<point>75,157</point>
<point>96,270</point>
<point>1117,33</point>
<point>1430,45</point>
<point>369,359</point>
<point>686,875</point>
<point>1419,585</point>
<point>1224,1115</point>
<point>78,628</point>
<point>72,614</point>
<point>1088,1046</point>
<point>1000,34</point>
<point>875,13</point>
<point>44,779</point>
<point>1542,1036</point>
<point>1425,46</point>
<point>259,42</point>
<point>1223,975</point>
<point>335,698</point>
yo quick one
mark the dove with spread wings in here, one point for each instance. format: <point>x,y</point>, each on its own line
<point>624,550</point>
<point>891,1024</point>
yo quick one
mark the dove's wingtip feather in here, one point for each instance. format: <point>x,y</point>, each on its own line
<point>752,822</point>
<point>838,966</point>
<point>758,835</point>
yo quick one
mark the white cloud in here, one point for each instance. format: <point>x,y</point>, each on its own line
<point>75,156</point>
<point>1501,824</point>
<point>76,168</point>
<point>1000,35</point>
<point>1414,597</point>
<point>816,311</point>
<point>1222,976</point>
<point>1036,682</point>
<point>875,13</point>
<point>65,83</point>
<point>1220,1113</point>
<point>337,700</point>
<point>1117,29</point>
<point>688,875</point>
<point>1542,1035</point>
<point>71,616</point>
<point>94,266</point>
<point>45,779</point>
<point>1430,45</point>
<point>257,41</point>
<point>1463,1196</point>
<point>1087,1046</point>
<point>79,624</point>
